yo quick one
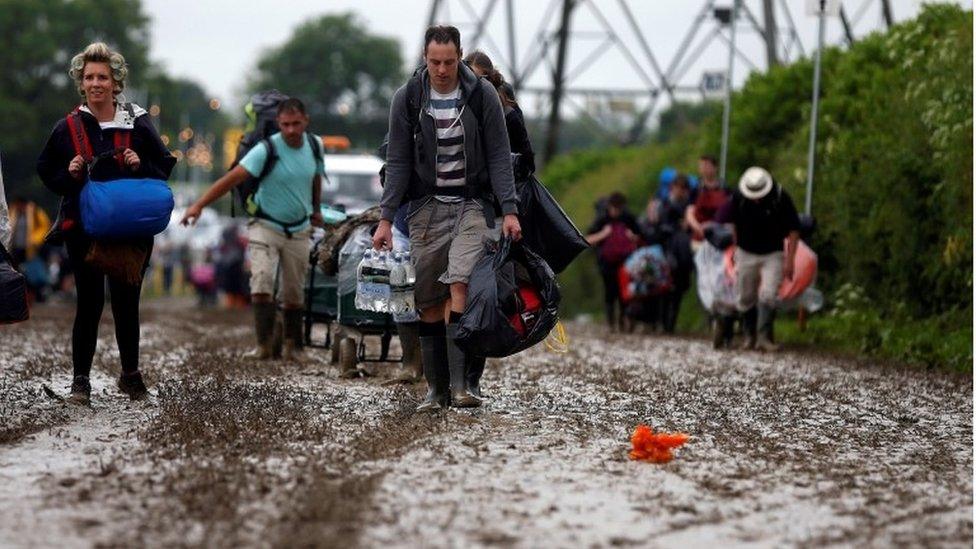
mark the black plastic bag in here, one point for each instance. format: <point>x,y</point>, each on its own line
<point>546,229</point>
<point>498,320</point>
<point>13,291</point>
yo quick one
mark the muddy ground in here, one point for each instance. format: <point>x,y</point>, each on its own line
<point>786,450</point>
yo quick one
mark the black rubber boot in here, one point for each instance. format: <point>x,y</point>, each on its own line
<point>476,367</point>
<point>264,323</point>
<point>458,366</point>
<point>718,331</point>
<point>749,329</point>
<point>133,385</point>
<point>433,349</point>
<point>728,329</point>
<point>80,391</point>
<point>766,319</point>
<point>412,369</point>
<point>293,335</point>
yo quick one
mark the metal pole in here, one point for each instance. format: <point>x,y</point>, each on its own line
<point>769,18</point>
<point>848,33</point>
<point>512,51</point>
<point>886,13</point>
<point>558,79</point>
<point>727,110</point>
<point>816,104</point>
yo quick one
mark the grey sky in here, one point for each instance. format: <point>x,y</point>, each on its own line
<point>215,42</point>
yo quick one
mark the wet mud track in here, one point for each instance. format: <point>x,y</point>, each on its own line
<point>786,450</point>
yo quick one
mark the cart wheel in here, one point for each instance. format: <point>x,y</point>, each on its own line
<point>347,358</point>
<point>385,345</point>
<point>334,350</point>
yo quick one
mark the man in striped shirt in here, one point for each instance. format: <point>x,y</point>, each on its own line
<point>449,160</point>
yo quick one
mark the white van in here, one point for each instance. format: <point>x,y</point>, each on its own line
<point>353,182</point>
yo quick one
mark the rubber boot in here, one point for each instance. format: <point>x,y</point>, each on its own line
<point>433,350</point>
<point>476,367</point>
<point>458,366</point>
<point>749,329</point>
<point>411,366</point>
<point>728,329</point>
<point>718,331</point>
<point>293,335</point>
<point>264,320</point>
<point>767,316</point>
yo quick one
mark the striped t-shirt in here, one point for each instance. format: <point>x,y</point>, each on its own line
<point>450,137</point>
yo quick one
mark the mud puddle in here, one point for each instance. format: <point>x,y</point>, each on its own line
<point>786,449</point>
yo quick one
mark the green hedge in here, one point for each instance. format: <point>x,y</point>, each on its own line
<point>893,186</point>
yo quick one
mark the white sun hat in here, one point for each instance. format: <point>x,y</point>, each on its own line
<point>755,183</point>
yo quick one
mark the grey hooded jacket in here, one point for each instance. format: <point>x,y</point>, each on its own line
<point>411,161</point>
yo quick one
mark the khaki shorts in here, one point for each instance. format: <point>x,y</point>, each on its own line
<point>267,248</point>
<point>446,240</point>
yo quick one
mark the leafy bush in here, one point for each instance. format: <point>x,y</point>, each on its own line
<point>892,190</point>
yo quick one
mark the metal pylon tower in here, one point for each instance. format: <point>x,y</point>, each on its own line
<point>573,36</point>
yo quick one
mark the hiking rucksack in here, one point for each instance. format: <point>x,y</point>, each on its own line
<point>618,246</point>
<point>262,115</point>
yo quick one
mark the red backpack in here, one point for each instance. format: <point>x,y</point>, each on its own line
<point>618,246</point>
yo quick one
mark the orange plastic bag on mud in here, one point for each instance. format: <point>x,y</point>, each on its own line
<point>655,447</point>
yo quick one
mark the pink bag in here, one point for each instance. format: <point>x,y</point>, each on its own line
<point>804,271</point>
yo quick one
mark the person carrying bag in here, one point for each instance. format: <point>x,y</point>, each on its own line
<point>103,140</point>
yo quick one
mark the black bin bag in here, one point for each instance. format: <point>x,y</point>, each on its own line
<point>546,229</point>
<point>513,302</point>
<point>13,291</point>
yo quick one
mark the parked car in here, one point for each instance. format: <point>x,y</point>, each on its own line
<point>353,182</point>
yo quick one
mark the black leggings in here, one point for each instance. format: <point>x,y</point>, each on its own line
<point>90,285</point>
<point>612,303</point>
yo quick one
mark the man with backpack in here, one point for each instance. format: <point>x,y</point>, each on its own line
<point>283,177</point>
<point>763,215</point>
<point>615,233</point>
<point>449,159</point>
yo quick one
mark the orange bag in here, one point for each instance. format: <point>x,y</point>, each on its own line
<point>804,271</point>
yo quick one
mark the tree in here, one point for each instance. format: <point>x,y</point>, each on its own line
<point>345,75</point>
<point>37,40</point>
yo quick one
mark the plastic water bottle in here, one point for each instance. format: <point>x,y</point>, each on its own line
<point>398,278</point>
<point>410,275</point>
<point>363,290</point>
<point>381,283</point>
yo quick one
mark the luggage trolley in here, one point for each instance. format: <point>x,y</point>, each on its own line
<point>325,305</point>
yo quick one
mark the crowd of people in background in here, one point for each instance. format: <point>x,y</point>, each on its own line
<point>647,264</point>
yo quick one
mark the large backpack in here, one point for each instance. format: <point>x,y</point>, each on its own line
<point>262,116</point>
<point>618,246</point>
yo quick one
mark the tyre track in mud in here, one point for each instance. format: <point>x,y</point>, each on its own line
<point>787,449</point>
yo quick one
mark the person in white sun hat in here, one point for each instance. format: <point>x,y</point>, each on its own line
<point>763,215</point>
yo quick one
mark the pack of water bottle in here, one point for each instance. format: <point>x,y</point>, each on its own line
<point>385,282</point>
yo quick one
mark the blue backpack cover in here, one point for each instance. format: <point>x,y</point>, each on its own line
<point>126,208</point>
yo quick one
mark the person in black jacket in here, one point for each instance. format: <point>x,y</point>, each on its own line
<point>518,136</point>
<point>523,163</point>
<point>102,124</point>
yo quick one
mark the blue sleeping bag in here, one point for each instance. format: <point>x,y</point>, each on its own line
<point>126,208</point>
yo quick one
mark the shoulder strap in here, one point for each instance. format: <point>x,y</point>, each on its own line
<point>270,160</point>
<point>121,140</point>
<point>414,94</point>
<point>79,137</point>
<point>477,101</point>
<point>316,144</point>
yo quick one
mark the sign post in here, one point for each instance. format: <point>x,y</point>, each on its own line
<point>821,8</point>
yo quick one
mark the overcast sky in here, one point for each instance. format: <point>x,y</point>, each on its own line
<point>215,42</point>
